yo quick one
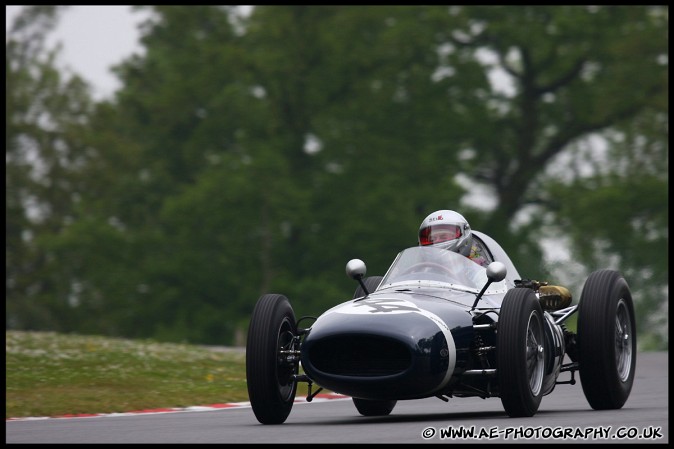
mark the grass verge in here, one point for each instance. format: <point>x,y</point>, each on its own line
<point>50,374</point>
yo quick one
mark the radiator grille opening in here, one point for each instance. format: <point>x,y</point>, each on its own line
<point>357,355</point>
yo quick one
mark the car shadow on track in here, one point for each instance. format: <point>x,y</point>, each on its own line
<point>406,418</point>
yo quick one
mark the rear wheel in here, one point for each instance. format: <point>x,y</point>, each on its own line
<point>520,352</point>
<point>607,351</point>
<point>270,363</point>
<point>367,407</point>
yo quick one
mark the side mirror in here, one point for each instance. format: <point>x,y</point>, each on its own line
<point>496,272</point>
<point>355,269</point>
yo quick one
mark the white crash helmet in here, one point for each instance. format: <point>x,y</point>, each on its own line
<point>446,229</point>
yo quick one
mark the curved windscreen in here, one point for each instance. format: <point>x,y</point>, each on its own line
<point>434,265</point>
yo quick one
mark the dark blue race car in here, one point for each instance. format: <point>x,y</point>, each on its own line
<point>438,324</point>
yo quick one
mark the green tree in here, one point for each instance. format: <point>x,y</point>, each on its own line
<point>616,216</point>
<point>572,72</point>
<point>581,78</point>
<point>246,155</point>
<point>44,153</point>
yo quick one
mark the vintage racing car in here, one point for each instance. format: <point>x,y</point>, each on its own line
<point>438,324</point>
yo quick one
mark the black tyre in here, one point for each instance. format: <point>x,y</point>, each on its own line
<point>371,283</point>
<point>367,407</point>
<point>520,352</point>
<point>269,373</point>
<point>607,340</point>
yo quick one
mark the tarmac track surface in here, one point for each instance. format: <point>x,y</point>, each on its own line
<point>564,417</point>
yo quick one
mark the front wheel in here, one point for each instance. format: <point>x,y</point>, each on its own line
<point>520,352</point>
<point>270,359</point>
<point>367,407</point>
<point>607,340</point>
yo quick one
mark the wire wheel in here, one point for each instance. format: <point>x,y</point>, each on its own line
<point>606,340</point>
<point>520,352</point>
<point>623,341</point>
<point>535,352</point>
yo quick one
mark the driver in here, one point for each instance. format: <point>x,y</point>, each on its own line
<point>449,230</point>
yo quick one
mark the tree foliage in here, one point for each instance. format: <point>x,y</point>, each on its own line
<point>251,154</point>
<point>45,153</point>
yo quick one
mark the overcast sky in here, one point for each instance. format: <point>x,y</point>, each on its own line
<point>94,38</point>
